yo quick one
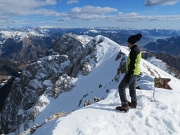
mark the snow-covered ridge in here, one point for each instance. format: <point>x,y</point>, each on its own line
<point>18,34</point>
<point>64,82</point>
<point>162,65</point>
<point>84,39</point>
<point>158,63</point>
<point>153,115</point>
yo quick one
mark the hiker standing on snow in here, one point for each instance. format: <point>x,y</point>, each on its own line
<point>133,70</point>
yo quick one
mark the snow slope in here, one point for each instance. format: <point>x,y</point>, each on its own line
<point>153,115</point>
<point>159,63</point>
<point>162,65</point>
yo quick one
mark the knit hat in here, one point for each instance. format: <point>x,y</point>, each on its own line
<point>134,38</point>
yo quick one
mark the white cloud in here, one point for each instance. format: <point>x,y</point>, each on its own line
<point>15,4</point>
<point>93,10</point>
<point>72,1</point>
<point>13,8</point>
<point>87,13</point>
<point>160,2</point>
<point>90,13</point>
<point>133,17</point>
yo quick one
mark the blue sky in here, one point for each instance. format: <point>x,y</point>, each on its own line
<point>138,14</point>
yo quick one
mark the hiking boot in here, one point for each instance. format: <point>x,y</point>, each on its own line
<point>131,105</point>
<point>122,108</point>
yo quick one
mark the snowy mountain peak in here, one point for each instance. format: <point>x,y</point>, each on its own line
<point>18,34</point>
<point>84,69</point>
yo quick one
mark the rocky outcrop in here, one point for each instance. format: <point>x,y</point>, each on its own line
<point>75,48</point>
<point>37,78</point>
<point>50,76</point>
<point>9,67</point>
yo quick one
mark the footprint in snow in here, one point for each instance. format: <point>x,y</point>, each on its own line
<point>139,113</point>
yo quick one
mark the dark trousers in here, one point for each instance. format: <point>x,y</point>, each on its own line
<point>132,90</point>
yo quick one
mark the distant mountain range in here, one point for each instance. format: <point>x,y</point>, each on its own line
<point>27,47</point>
<point>168,45</point>
<point>118,35</point>
<point>31,43</point>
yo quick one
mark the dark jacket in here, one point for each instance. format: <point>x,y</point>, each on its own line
<point>133,62</point>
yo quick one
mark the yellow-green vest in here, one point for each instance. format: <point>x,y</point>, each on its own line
<point>133,67</point>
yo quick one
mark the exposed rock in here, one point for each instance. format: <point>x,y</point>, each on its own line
<point>76,49</point>
<point>49,76</point>
<point>31,84</point>
<point>122,66</point>
<point>10,67</point>
<point>89,102</point>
